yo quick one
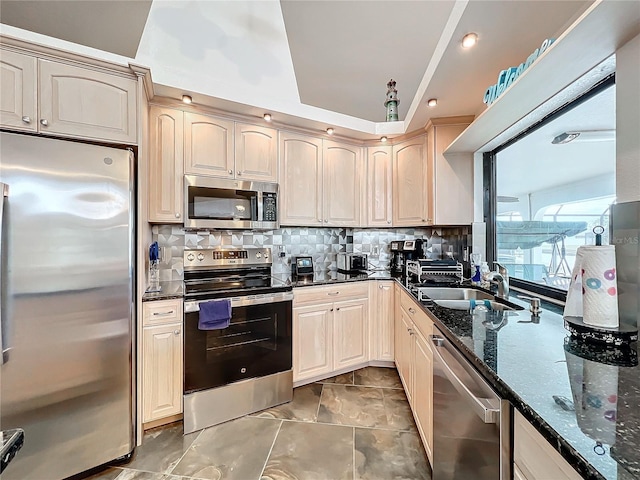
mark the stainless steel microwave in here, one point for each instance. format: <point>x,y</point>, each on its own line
<point>224,203</point>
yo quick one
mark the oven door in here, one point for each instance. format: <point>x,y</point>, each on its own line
<point>256,343</point>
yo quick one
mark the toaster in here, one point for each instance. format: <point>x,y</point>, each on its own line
<point>352,262</point>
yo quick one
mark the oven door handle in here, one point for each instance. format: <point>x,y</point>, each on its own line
<point>194,305</point>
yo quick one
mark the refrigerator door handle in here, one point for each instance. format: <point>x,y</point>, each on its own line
<point>488,409</point>
<point>4,358</point>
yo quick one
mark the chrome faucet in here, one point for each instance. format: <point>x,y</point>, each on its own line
<point>501,278</point>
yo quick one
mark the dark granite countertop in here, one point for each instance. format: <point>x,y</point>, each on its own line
<point>167,290</point>
<point>530,360</point>
<point>332,277</point>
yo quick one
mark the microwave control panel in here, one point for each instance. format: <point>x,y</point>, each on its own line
<point>269,207</point>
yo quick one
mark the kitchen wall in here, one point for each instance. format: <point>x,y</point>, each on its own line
<point>322,243</point>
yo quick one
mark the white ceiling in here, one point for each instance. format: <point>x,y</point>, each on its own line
<point>311,63</point>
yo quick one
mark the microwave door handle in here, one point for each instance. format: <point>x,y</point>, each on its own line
<point>260,207</point>
<point>487,409</point>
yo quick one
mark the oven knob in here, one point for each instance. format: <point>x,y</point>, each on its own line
<point>243,370</point>
<point>258,255</point>
<point>190,257</point>
<point>200,257</point>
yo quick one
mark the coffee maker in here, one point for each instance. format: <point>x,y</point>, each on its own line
<point>403,250</point>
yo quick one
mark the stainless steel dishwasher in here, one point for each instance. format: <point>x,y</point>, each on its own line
<point>471,423</point>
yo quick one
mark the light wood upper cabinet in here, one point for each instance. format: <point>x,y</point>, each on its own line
<point>208,146</point>
<point>79,102</point>
<point>350,333</point>
<point>165,165</point>
<point>410,187</point>
<point>312,341</point>
<point>343,184</point>
<point>256,153</point>
<point>379,186</point>
<point>18,91</point>
<point>300,181</point>
<point>450,179</point>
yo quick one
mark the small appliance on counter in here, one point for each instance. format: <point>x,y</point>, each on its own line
<point>301,267</point>
<point>403,250</point>
<point>352,262</point>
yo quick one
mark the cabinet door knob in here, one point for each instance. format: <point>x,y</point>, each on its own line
<point>423,220</point>
<point>177,215</point>
<point>26,119</point>
<point>337,309</point>
<point>44,122</point>
<point>239,173</point>
<point>230,172</point>
<point>331,310</point>
<point>389,222</point>
<point>412,311</point>
<point>326,221</point>
<point>380,287</point>
<point>177,332</point>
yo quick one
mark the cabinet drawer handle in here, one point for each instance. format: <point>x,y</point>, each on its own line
<point>177,332</point>
<point>163,314</point>
<point>44,122</point>
<point>411,311</point>
<point>26,119</point>
<point>333,293</point>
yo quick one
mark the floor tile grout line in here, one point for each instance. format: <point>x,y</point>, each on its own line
<point>266,460</point>
<point>156,473</point>
<point>319,403</point>
<point>353,458</point>
<point>386,429</point>
<point>185,452</point>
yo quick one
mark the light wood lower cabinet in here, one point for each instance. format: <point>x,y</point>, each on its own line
<point>423,389</point>
<point>162,359</point>
<point>414,360</point>
<point>329,336</point>
<point>381,299</point>
<point>350,333</point>
<point>312,340</point>
<point>534,458</point>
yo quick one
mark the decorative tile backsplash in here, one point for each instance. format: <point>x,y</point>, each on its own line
<point>323,244</point>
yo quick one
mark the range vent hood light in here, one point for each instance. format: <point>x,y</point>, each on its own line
<point>585,136</point>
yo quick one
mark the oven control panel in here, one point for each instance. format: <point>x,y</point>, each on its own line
<point>226,257</point>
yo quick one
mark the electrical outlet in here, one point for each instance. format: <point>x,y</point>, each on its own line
<point>375,250</point>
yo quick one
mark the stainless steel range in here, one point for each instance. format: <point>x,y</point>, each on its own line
<point>247,366</point>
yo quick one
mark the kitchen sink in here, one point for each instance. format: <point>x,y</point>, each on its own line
<point>444,293</point>
<point>467,305</point>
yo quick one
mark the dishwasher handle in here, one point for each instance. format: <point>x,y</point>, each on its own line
<point>488,409</point>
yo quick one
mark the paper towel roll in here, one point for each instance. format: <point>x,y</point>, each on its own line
<point>593,293</point>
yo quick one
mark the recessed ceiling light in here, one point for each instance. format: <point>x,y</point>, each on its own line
<point>432,102</point>
<point>383,139</point>
<point>329,131</point>
<point>187,99</point>
<point>267,117</point>
<point>469,40</point>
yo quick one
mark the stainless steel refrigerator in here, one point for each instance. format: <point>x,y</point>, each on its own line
<point>67,304</point>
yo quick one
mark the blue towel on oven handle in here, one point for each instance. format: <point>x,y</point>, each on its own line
<point>214,315</point>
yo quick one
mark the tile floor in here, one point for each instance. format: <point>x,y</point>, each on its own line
<point>350,427</point>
